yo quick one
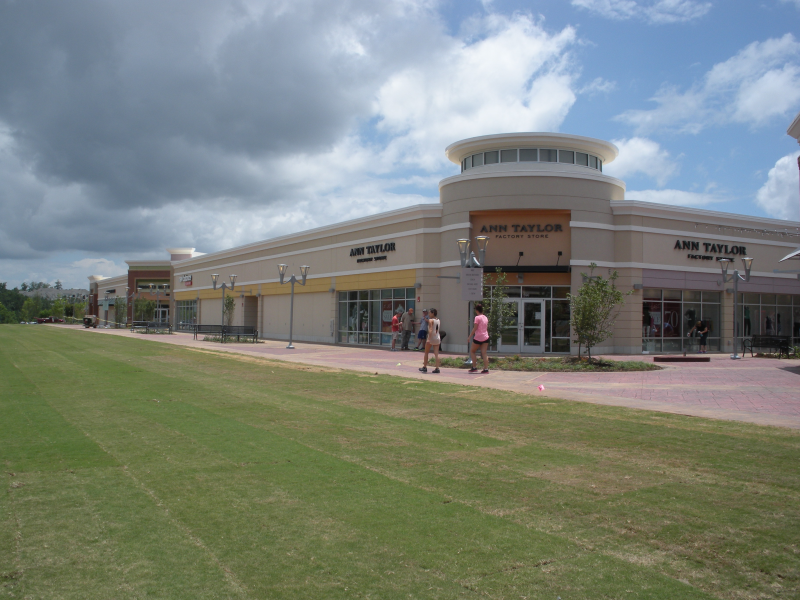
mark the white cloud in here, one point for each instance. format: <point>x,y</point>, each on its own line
<point>655,12</point>
<point>780,195</point>
<point>795,2</point>
<point>599,86</point>
<point>674,197</point>
<point>515,77</point>
<point>760,82</point>
<point>642,155</point>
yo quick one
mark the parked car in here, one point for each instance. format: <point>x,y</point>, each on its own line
<point>41,320</point>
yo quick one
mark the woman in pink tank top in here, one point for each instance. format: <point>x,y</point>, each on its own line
<point>480,339</point>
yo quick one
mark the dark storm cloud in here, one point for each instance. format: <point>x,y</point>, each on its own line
<point>111,109</point>
<point>149,101</point>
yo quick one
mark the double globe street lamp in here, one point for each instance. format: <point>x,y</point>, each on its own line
<point>224,286</point>
<point>735,277</point>
<point>282,272</point>
<point>469,261</point>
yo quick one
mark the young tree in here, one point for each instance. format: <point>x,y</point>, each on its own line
<point>229,310</point>
<point>144,308</point>
<point>79,310</point>
<point>31,309</point>
<point>120,312</point>
<point>58,285</point>
<point>594,309</point>
<point>499,312</point>
<point>58,309</point>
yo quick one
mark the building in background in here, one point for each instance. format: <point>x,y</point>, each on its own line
<point>548,211</point>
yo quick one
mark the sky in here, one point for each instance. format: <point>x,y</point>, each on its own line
<point>127,127</point>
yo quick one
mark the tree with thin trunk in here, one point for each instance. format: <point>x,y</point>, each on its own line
<point>499,313</point>
<point>594,309</point>
<point>230,309</point>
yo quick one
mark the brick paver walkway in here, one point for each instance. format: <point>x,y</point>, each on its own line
<point>755,390</point>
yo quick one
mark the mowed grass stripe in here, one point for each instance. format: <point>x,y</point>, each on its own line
<point>413,526</point>
<point>636,496</point>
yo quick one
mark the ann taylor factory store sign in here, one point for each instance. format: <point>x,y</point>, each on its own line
<point>370,250</point>
<point>536,230</point>
<point>710,248</point>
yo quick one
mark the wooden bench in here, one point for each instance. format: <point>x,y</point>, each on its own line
<point>158,327</point>
<point>778,343</point>
<point>207,330</point>
<point>240,331</point>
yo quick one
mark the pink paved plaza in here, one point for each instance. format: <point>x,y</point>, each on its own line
<point>756,390</point>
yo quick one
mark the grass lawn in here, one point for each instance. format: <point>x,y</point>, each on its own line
<point>134,469</point>
<point>551,364</point>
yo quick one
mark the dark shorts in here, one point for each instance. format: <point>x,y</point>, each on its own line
<point>703,339</point>
<point>422,334</point>
<point>474,341</point>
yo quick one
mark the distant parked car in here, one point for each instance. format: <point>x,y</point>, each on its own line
<point>23,322</point>
<point>41,320</point>
<point>60,321</point>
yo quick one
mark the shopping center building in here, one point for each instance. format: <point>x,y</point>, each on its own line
<point>548,211</point>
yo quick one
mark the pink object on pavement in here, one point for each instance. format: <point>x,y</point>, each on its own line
<point>541,388</point>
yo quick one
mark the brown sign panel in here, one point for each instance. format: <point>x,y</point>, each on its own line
<point>538,234</point>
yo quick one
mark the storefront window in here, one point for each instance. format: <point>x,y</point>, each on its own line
<point>769,314</point>
<point>186,314</point>
<point>668,317</point>
<point>365,316</point>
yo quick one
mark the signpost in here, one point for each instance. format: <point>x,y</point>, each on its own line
<point>471,284</point>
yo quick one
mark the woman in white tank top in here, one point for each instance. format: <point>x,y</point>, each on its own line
<point>433,341</point>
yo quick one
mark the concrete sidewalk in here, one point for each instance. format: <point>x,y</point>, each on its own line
<point>752,390</point>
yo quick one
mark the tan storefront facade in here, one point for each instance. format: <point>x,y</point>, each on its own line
<point>548,211</point>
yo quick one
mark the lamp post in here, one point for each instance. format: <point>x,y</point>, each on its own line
<point>469,261</point>
<point>105,302</point>
<point>735,277</point>
<point>304,273</point>
<point>224,286</point>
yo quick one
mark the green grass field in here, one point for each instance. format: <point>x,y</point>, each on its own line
<point>135,469</point>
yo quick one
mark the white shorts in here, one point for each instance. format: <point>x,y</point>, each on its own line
<point>395,335</point>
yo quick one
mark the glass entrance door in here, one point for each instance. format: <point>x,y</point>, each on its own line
<point>525,334</point>
<point>532,330</point>
<point>161,315</point>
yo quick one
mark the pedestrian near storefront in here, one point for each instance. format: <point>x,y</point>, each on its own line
<point>480,340</point>
<point>433,341</point>
<point>702,330</point>
<point>396,328</point>
<point>407,326</point>
<point>422,335</point>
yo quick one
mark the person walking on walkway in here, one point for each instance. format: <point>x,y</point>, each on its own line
<point>480,339</point>
<point>396,327</point>
<point>422,335</point>
<point>407,325</point>
<point>433,341</point>
<point>702,329</point>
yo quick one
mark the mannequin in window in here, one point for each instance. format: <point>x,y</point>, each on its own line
<point>747,320</point>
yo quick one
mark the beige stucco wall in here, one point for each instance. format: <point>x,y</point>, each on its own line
<point>597,225</point>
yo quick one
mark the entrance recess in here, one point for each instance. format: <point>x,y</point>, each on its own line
<point>526,334</point>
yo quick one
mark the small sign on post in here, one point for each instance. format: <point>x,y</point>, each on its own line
<point>471,284</point>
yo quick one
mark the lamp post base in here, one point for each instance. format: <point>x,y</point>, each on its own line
<point>290,347</point>
<point>735,357</point>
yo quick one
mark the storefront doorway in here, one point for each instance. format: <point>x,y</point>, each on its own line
<point>526,333</point>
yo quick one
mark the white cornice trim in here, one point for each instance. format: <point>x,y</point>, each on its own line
<point>441,265</point>
<point>682,213</point>
<point>638,265</point>
<point>710,236</point>
<point>387,218</point>
<point>532,170</point>
<point>411,232</point>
